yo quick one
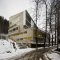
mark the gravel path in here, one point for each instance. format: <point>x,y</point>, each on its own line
<point>35,55</point>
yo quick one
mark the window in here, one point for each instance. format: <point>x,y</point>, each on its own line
<point>21,38</point>
<point>15,29</point>
<point>25,31</point>
<point>18,39</point>
<point>28,23</point>
<point>28,20</point>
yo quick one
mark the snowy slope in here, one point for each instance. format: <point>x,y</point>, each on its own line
<point>15,55</point>
<point>7,46</point>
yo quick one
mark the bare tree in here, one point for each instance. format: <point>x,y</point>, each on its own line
<point>43,2</point>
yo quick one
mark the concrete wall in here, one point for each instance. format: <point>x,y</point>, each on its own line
<point>26,36</point>
<point>21,34</point>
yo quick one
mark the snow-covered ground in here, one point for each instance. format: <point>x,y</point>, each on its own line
<point>7,50</point>
<point>6,46</point>
<point>18,53</point>
<point>54,56</point>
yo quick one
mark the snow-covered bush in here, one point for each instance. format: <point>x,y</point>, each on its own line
<point>7,46</point>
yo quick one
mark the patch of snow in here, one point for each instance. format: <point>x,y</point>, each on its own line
<point>53,56</point>
<point>7,50</point>
<point>5,46</point>
<point>18,53</point>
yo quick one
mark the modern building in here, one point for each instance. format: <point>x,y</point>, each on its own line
<point>22,29</point>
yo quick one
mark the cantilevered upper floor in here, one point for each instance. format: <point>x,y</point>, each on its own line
<point>20,21</point>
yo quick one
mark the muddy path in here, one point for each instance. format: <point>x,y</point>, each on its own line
<point>35,55</point>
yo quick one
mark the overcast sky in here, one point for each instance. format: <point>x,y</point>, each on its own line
<point>11,7</point>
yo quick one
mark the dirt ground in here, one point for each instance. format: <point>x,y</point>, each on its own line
<point>35,55</point>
